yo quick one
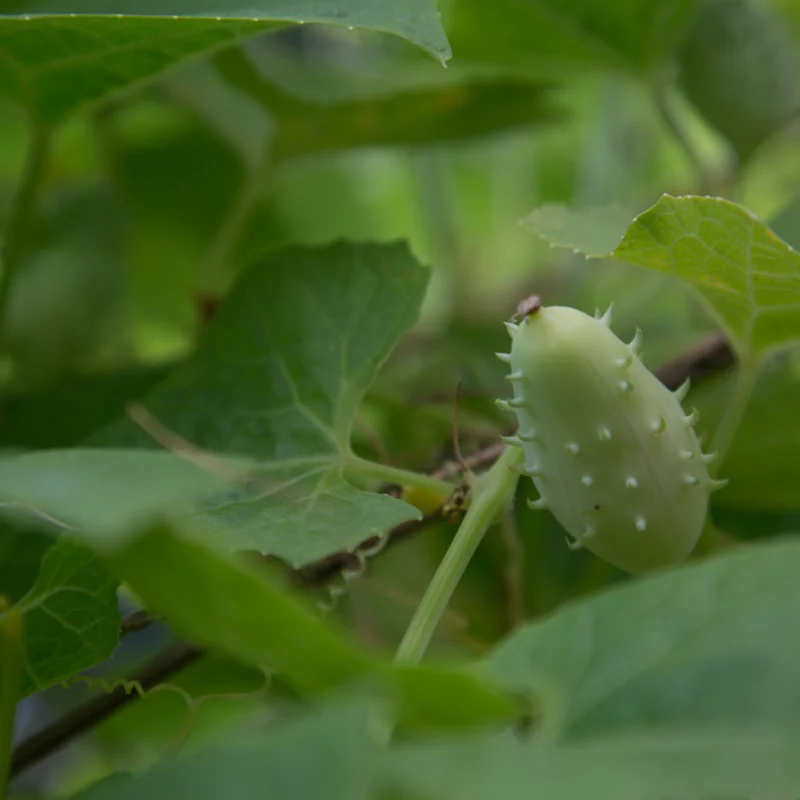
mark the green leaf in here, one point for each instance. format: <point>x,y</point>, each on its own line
<point>105,493</point>
<point>748,277</point>
<point>177,212</point>
<point>786,223</point>
<point>692,764</point>
<point>279,377</point>
<point>413,116</point>
<point>70,616</point>
<point>740,67</point>
<point>549,35</point>
<point>329,752</point>
<point>762,464</point>
<point>21,549</point>
<point>67,296</point>
<point>64,413</point>
<point>701,647</point>
<point>58,55</point>
<point>220,601</point>
<point>212,696</point>
<point>593,232</point>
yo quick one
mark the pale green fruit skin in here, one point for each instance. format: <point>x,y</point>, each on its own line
<point>615,457</point>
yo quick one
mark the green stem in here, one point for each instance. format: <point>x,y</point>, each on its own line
<point>676,127</point>
<point>403,477</point>
<point>10,684</point>
<point>734,413</point>
<point>492,494</point>
<point>22,207</point>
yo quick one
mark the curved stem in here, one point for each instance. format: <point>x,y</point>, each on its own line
<point>734,413</point>
<point>22,207</point>
<point>403,477</point>
<point>492,494</point>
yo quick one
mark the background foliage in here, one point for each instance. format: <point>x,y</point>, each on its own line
<point>247,253</point>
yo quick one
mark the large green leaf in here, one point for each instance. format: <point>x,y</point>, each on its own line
<point>220,601</point>
<point>329,752</point>
<point>413,116</point>
<point>279,377</point>
<point>223,602</point>
<point>762,465</point>
<point>70,615</point>
<point>749,278</point>
<point>703,647</point>
<point>692,764</point>
<point>547,35</point>
<point>741,68</point>
<point>104,493</point>
<point>786,223</point>
<point>57,55</point>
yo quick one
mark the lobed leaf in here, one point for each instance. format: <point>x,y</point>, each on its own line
<point>70,615</point>
<point>278,378</point>
<point>747,276</point>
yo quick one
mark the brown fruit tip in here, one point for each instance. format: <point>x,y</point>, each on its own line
<point>530,305</point>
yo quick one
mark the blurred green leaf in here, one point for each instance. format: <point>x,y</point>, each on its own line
<point>220,601</point>
<point>68,292</point>
<point>61,54</point>
<point>64,413</point>
<point>642,766</point>
<point>70,615</point>
<point>741,69</point>
<point>786,223</point>
<point>762,465</point>
<point>328,752</point>
<point>410,117</point>
<point>279,376</point>
<point>549,35</point>
<point>177,212</point>
<point>105,493</point>
<point>749,278</point>
<point>697,648</point>
<point>211,697</point>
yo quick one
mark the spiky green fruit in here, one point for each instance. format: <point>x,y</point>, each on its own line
<point>609,447</point>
